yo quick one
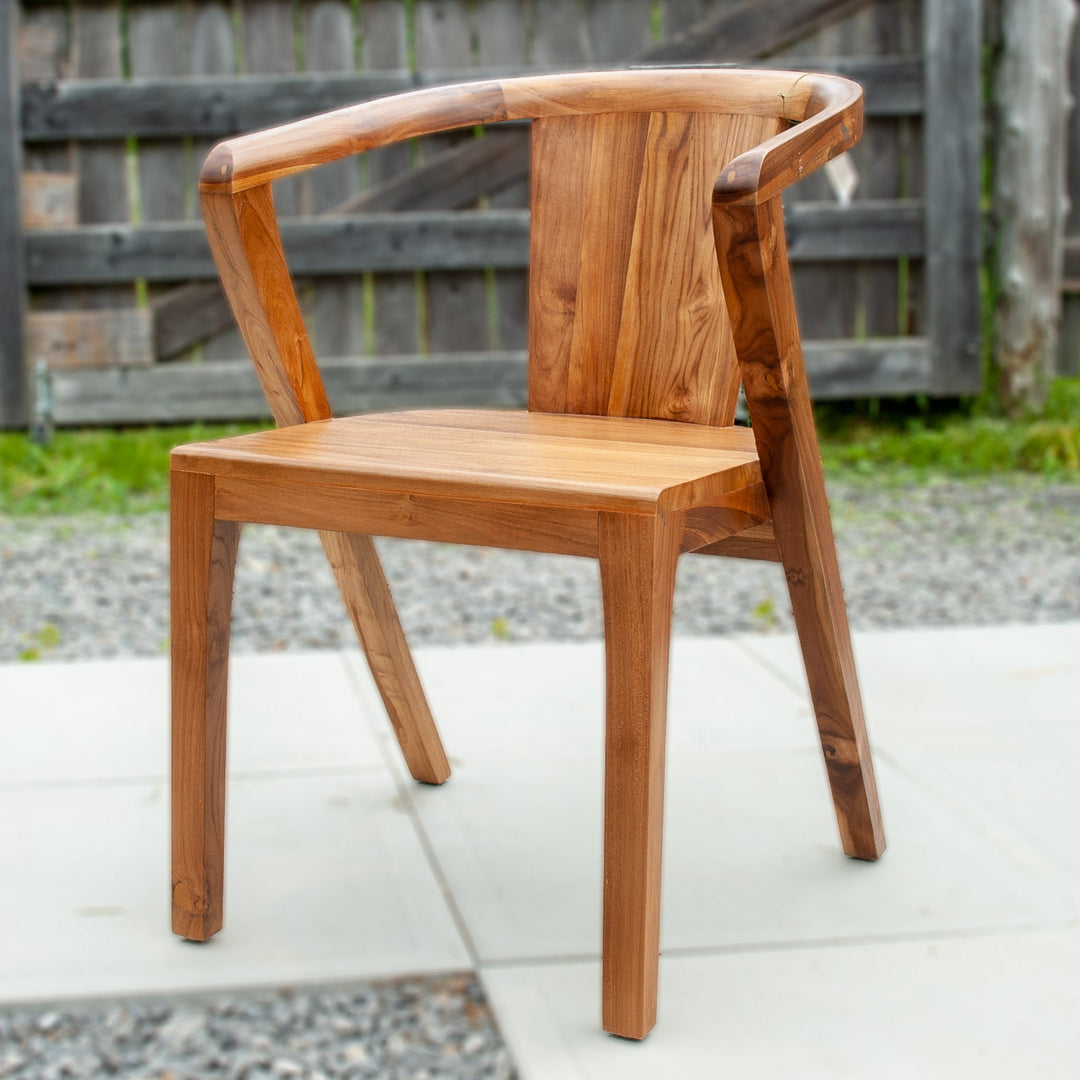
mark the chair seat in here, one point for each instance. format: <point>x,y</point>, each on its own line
<point>540,459</point>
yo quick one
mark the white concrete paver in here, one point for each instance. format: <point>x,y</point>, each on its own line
<point>957,955</point>
<point>981,1008</point>
<point>325,876</point>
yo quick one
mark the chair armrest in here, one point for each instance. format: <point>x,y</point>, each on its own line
<point>248,161</point>
<point>832,124</point>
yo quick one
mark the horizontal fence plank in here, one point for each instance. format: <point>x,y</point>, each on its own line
<point>866,229</point>
<point>208,107</point>
<point>229,390</point>
<point>1071,269</point>
<point>118,337</point>
<point>428,240</point>
<point>878,367</point>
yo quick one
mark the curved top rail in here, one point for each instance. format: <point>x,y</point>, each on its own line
<point>832,124</point>
<point>250,160</point>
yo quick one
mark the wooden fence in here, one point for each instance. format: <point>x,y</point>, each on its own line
<point>108,106</point>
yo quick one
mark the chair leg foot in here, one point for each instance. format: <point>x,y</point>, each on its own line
<point>367,596</point>
<point>638,554</point>
<point>203,560</point>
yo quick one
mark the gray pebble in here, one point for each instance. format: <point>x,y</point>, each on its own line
<point>938,554</point>
<point>437,1027</point>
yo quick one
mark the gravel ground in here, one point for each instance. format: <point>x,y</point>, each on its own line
<point>945,553</point>
<point>411,1029</point>
<point>91,587</point>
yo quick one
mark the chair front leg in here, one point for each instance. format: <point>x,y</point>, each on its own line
<point>638,553</point>
<point>203,560</point>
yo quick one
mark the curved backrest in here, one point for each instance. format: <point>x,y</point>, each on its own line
<point>626,309</point>
<point>627,313</point>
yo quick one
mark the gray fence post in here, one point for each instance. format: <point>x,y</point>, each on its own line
<point>14,397</point>
<point>952,31</point>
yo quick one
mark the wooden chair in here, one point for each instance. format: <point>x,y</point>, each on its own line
<point>659,281</point>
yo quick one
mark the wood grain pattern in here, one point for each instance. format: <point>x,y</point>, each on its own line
<point>203,558</point>
<point>251,160</point>
<point>244,239</point>
<point>527,458</point>
<point>638,554</point>
<point>647,334</point>
<point>521,526</point>
<point>750,240</point>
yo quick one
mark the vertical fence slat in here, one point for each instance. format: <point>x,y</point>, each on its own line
<point>13,388</point>
<point>824,291</point>
<point>1069,343</point>
<point>952,132</point>
<point>396,321</point>
<point>335,310</point>
<point>270,49</point>
<point>103,181</point>
<point>618,29</point>
<point>877,31</point>
<point>501,33</point>
<point>213,54</point>
<point>456,302</point>
<point>158,41</point>
<point>560,33</point>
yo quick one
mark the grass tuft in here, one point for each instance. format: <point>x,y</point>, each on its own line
<point>95,470</point>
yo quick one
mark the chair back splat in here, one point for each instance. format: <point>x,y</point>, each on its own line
<point>626,310</point>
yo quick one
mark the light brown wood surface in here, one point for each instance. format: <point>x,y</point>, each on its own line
<point>515,457</point>
<point>252,160</point>
<point>203,558</point>
<point>638,554</point>
<point>659,281</point>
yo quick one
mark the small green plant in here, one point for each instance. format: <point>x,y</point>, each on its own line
<point>500,629</point>
<point>764,616</point>
<point>40,644</point>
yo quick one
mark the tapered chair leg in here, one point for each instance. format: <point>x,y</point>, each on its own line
<point>203,560</point>
<point>817,603</point>
<point>367,596</point>
<point>757,286</point>
<point>638,554</point>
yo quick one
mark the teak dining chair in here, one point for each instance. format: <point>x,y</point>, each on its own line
<point>659,281</point>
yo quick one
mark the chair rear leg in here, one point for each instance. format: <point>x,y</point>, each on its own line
<point>638,554</point>
<point>757,287</point>
<point>808,555</point>
<point>203,560</point>
<point>367,596</point>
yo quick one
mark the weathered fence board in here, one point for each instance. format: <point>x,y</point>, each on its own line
<point>223,390</point>
<point>161,107</point>
<point>429,240</point>
<point>953,76</point>
<point>13,390</point>
<point>395,319</point>
<point>384,270</point>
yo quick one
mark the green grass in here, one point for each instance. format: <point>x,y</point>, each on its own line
<point>920,442</point>
<point>96,470</point>
<point>123,472</point>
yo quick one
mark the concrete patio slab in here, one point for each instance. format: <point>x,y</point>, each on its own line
<point>109,719</point>
<point>957,955</point>
<point>974,1008</point>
